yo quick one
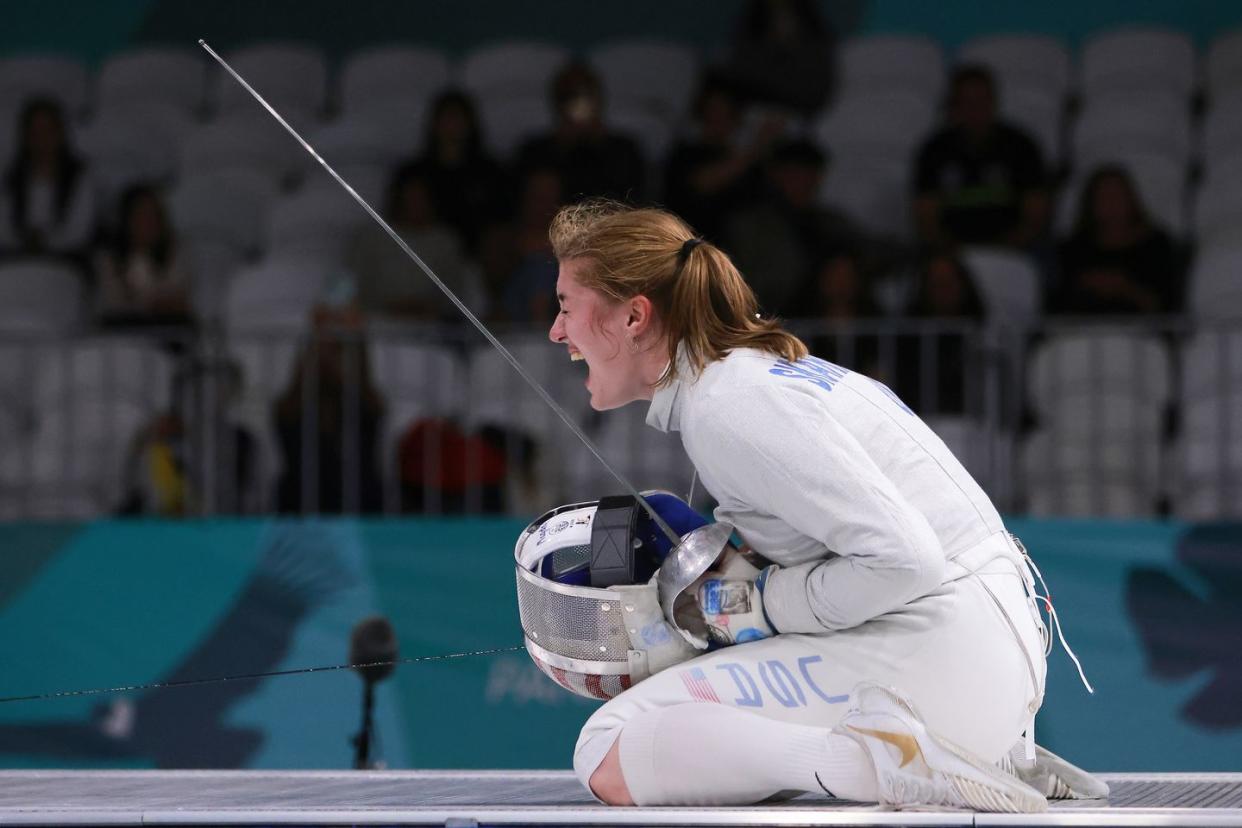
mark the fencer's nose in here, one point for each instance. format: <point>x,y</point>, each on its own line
<point>557,332</point>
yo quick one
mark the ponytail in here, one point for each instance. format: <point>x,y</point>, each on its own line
<point>704,305</point>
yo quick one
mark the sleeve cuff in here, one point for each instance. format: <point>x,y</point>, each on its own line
<point>786,601</point>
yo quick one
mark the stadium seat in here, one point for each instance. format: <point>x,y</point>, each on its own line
<point>1143,60</point>
<point>392,76</point>
<point>1150,123</point>
<point>45,76</point>
<point>655,76</point>
<point>349,142</point>
<point>881,125</point>
<point>163,76</point>
<point>886,64</point>
<point>1040,114</point>
<point>1100,384</point>
<point>1008,283</point>
<point>122,152</point>
<point>521,69</point>
<point>40,297</point>
<point>873,192</point>
<point>247,144</point>
<point>1034,63</point>
<point>1222,134</point>
<point>135,371</point>
<point>314,222</point>
<point>292,77</point>
<point>223,208</point>
<point>499,396</point>
<point>985,451</point>
<point>276,294</point>
<point>1222,66</point>
<point>508,120</point>
<point>1217,212</point>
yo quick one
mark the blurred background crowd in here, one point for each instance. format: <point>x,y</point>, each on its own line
<point>1034,243</point>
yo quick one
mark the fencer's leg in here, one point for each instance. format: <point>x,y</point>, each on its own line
<point>710,754</point>
<point>608,782</point>
<point>1051,775</point>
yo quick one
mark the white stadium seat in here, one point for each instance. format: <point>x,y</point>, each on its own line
<point>276,294</point>
<point>1143,60</point>
<point>518,68</point>
<point>122,152</point>
<point>873,192</point>
<point>1040,114</point>
<point>886,125</point>
<point>313,222</point>
<point>1026,62</point>
<point>136,371</point>
<point>499,396</point>
<point>38,297</point>
<point>245,144</point>
<point>1222,66</point>
<point>223,208</point>
<point>508,121</point>
<point>1217,213</point>
<point>61,78</point>
<point>1149,123</point>
<point>911,64</point>
<point>654,75</point>
<point>392,75</point>
<point>292,77</point>
<point>168,76</point>
<point>1008,282</point>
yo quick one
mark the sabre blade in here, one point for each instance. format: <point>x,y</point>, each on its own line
<point>512,360</point>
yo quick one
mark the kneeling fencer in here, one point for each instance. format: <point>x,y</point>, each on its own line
<point>857,620</point>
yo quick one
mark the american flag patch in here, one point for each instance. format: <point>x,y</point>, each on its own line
<point>699,687</point>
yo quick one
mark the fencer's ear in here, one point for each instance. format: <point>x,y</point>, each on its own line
<point>641,312</point>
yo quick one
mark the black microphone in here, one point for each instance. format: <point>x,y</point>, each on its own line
<point>372,649</point>
<point>373,640</point>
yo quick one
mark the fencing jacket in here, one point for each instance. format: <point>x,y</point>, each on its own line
<point>827,473</point>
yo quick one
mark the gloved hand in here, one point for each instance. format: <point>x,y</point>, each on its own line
<point>677,513</point>
<point>727,602</point>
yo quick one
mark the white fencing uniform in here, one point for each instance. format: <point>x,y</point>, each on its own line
<point>895,566</point>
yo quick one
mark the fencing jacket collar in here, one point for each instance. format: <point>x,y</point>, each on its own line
<point>666,405</point>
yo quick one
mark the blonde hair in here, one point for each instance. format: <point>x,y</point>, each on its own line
<point>702,300</point>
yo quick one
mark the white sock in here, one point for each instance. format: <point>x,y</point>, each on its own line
<point>709,754</point>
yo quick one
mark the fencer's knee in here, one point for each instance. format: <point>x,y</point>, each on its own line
<point>608,782</point>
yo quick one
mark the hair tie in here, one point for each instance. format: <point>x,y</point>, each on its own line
<point>687,247</point>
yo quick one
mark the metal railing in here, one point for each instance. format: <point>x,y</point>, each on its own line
<point>1073,417</point>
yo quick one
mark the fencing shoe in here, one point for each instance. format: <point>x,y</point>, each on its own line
<point>1052,776</point>
<point>915,768</point>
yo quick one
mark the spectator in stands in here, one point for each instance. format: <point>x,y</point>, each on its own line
<point>783,56</point>
<point>717,171</point>
<point>938,368</point>
<point>142,279</point>
<point>469,189</point>
<point>776,241</point>
<point>168,466</point>
<point>388,282</point>
<point>329,432</point>
<point>48,205</point>
<point>529,296</point>
<point>1117,261</point>
<point>841,304</point>
<point>979,180</point>
<point>590,159</point>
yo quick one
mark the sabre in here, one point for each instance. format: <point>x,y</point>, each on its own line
<point>512,360</point>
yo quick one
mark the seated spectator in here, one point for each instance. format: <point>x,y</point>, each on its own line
<point>48,205</point>
<point>716,172</point>
<point>529,291</point>
<point>141,276</point>
<point>330,440</point>
<point>389,283</point>
<point>783,56</point>
<point>168,466</point>
<point>1117,261</point>
<point>776,241</point>
<point>938,368</point>
<point>979,180</point>
<point>590,159</point>
<point>840,306</point>
<point>468,188</point>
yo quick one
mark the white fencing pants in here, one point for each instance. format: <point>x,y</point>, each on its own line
<point>970,657</point>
